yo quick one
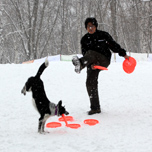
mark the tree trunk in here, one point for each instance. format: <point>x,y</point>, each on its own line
<point>79,25</point>
<point>114,21</point>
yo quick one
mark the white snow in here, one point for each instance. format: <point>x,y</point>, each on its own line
<point>125,124</point>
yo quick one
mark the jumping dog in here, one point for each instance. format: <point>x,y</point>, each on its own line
<point>40,100</point>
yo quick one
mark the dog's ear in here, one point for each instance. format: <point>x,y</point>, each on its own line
<point>60,103</point>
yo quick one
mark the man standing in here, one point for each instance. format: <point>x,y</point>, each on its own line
<point>96,46</point>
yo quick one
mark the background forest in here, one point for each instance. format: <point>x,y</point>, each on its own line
<point>31,29</point>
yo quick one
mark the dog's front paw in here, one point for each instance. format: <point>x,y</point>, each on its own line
<point>23,90</point>
<point>43,132</point>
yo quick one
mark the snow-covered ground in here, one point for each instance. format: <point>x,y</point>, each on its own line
<point>125,124</point>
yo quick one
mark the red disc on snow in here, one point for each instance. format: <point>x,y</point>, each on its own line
<point>91,122</point>
<point>74,126</point>
<point>53,124</point>
<point>68,118</point>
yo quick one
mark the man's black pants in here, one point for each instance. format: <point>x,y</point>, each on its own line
<point>90,58</point>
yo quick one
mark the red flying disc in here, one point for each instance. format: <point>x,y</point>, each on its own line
<point>53,124</point>
<point>68,118</point>
<point>99,67</point>
<point>91,122</point>
<point>73,126</point>
<point>129,65</point>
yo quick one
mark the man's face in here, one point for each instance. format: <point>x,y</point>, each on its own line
<point>91,28</point>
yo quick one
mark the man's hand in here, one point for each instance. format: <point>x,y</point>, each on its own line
<point>126,57</point>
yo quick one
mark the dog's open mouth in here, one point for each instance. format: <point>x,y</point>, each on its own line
<point>66,113</point>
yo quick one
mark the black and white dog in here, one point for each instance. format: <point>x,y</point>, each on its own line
<point>40,100</point>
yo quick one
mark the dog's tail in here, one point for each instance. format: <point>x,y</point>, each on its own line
<point>42,68</point>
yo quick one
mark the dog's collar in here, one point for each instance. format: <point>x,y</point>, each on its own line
<point>56,110</point>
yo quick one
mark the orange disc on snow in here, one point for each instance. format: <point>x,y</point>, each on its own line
<point>74,126</point>
<point>91,122</point>
<point>68,118</point>
<point>53,124</point>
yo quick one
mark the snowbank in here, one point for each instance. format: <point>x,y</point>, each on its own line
<point>114,58</point>
<point>124,124</point>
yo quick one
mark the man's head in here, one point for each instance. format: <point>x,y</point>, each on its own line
<point>91,25</point>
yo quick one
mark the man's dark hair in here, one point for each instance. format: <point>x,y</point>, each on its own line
<point>92,20</point>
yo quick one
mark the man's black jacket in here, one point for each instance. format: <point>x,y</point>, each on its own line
<point>101,42</point>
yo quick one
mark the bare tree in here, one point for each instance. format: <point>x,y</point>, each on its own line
<point>33,29</point>
<point>30,23</point>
